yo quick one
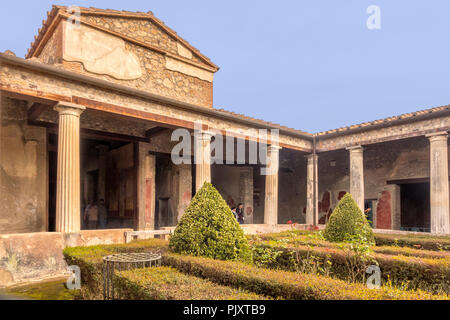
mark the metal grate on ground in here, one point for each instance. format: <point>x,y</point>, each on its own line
<point>122,262</point>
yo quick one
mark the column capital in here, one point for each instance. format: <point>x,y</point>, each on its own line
<point>437,136</point>
<point>203,135</point>
<point>67,108</point>
<point>355,149</point>
<point>273,148</point>
<point>312,156</point>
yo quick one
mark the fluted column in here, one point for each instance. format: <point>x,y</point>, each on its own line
<point>68,176</point>
<point>202,149</point>
<point>439,189</point>
<point>312,210</point>
<point>357,175</point>
<point>271,190</point>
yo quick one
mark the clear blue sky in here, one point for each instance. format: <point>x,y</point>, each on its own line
<point>311,65</point>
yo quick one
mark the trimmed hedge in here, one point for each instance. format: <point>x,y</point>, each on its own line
<point>414,241</point>
<point>347,220</point>
<point>415,273</point>
<point>288,285</point>
<point>314,242</point>
<point>208,228</point>
<point>90,260</point>
<point>165,283</point>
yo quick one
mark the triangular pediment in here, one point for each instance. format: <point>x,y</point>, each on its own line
<point>139,27</point>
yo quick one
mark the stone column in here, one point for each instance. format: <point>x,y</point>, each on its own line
<point>146,188</point>
<point>357,175</point>
<point>202,149</point>
<point>312,190</point>
<point>68,174</point>
<point>439,189</point>
<point>271,192</point>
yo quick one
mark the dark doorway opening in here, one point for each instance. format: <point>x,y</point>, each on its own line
<point>415,206</point>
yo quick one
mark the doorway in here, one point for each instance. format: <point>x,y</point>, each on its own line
<point>415,206</point>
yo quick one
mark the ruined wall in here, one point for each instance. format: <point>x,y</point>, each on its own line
<point>36,256</point>
<point>109,57</point>
<point>23,165</point>
<point>53,49</point>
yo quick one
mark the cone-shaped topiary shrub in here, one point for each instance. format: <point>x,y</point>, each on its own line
<point>208,228</point>
<point>347,221</point>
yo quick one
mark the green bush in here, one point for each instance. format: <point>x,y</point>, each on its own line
<point>348,221</point>
<point>208,228</point>
<point>165,283</point>
<point>287,285</point>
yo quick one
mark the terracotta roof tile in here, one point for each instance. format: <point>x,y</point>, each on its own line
<point>409,115</point>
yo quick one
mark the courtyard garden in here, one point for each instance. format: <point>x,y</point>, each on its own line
<point>209,258</point>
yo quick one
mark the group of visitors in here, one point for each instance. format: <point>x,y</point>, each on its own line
<point>238,213</point>
<point>95,215</point>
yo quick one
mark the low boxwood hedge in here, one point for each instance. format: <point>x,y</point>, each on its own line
<point>315,242</point>
<point>89,259</point>
<point>411,272</point>
<point>165,283</point>
<point>426,242</point>
<point>414,241</point>
<point>288,285</point>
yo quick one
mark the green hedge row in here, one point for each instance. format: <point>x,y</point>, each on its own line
<point>391,250</point>
<point>410,272</point>
<point>165,283</point>
<point>422,242</point>
<point>426,242</point>
<point>288,285</point>
<point>90,260</point>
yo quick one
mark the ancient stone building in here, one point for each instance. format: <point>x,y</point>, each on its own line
<point>90,114</point>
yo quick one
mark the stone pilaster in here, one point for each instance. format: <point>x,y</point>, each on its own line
<point>271,194</point>
<point>357,175</point>
<point>312,190</point>
<point>202,149</point>
<point>146,188</point>
<point>68,174</point>
<point>439,189</point>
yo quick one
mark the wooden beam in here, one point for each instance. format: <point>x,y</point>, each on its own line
<point>35,110</point>
<point>153,132</point>
<point>91,133</point>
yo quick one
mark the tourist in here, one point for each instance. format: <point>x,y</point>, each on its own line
<point>233,210</point>
<point>102,214</point>
<point>240,213</point>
